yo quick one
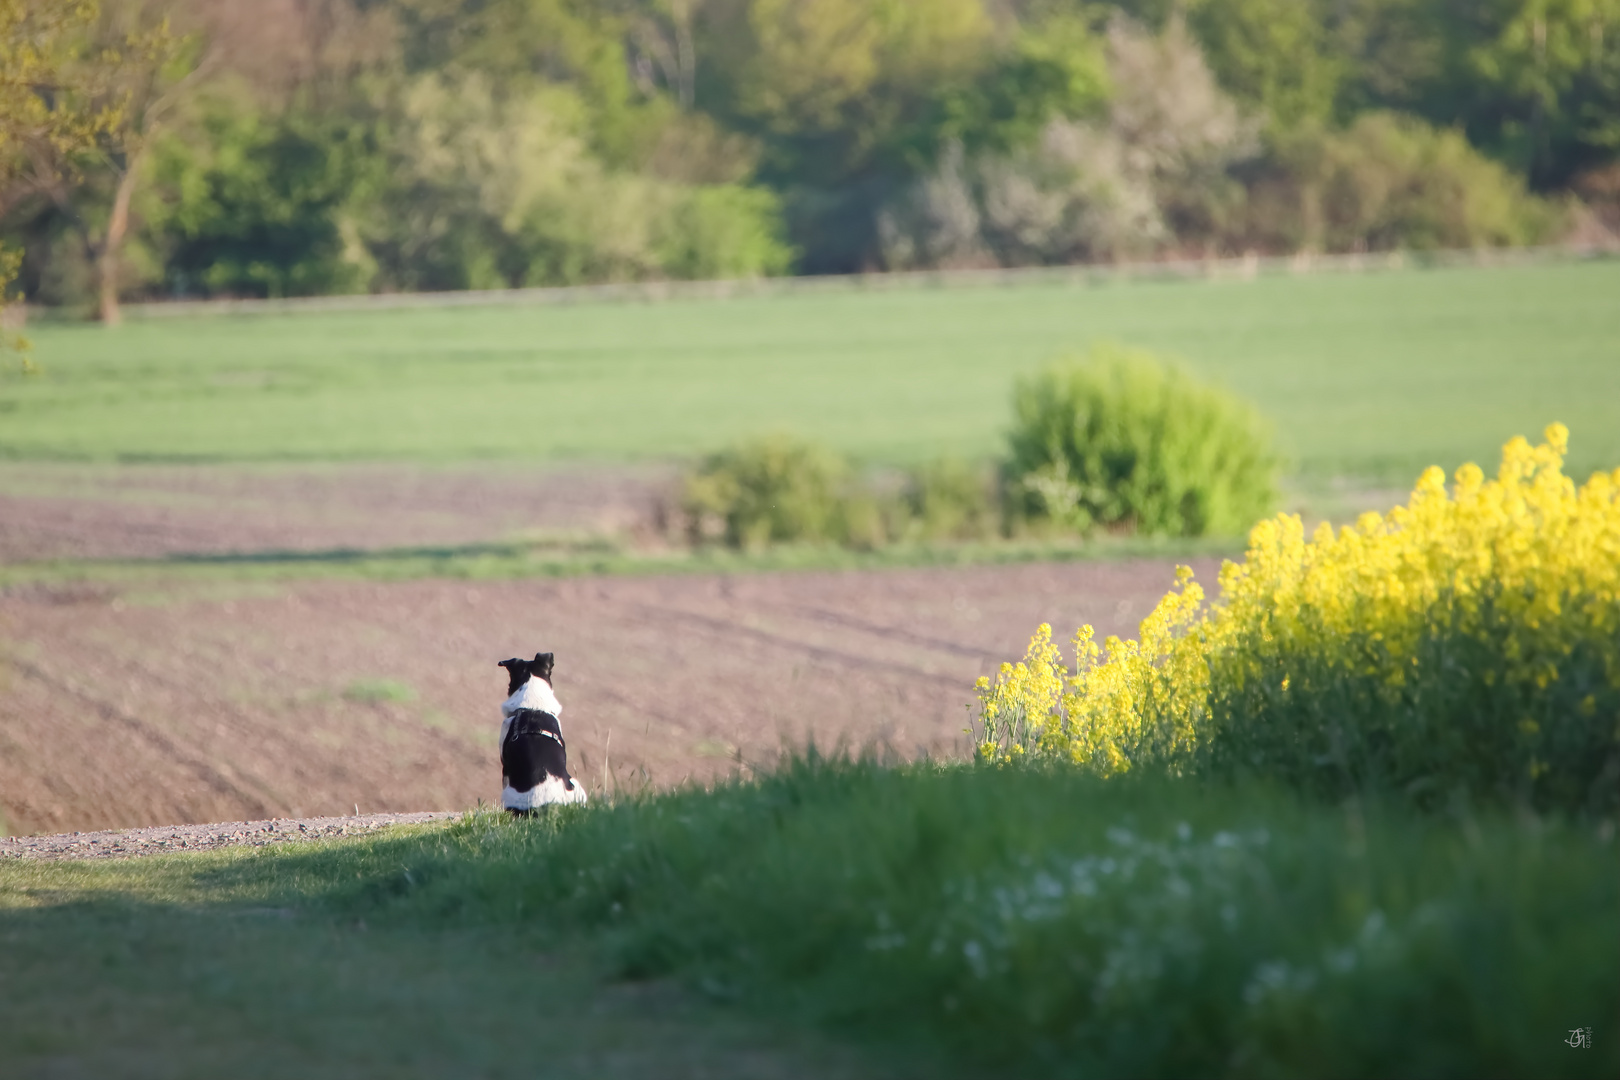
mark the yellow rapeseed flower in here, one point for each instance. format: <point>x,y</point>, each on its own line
<point>1469,637</point>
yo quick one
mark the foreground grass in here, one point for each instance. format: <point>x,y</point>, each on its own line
<point>958,920</point>
<point>1373,376</point>
<point>231,963</point>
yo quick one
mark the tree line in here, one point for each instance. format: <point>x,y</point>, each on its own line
<point>186,148</point>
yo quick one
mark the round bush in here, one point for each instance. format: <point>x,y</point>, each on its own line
<point>1122,441</point>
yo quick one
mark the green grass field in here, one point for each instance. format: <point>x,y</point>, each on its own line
<point>247,573</point>
<point>979,921</point>
<point>1365,376</point>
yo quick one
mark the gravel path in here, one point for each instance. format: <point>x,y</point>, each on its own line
<point>124,843</point>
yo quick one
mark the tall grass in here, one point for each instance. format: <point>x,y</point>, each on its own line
<point>966,920</point>
<point>1036,922</point>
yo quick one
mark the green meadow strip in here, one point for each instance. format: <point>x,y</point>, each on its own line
<point>475,562</point>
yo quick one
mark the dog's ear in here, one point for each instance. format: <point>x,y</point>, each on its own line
<point>517,673</point>
<point>543,663</point>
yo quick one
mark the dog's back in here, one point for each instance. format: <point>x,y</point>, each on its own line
<point>534,751</point>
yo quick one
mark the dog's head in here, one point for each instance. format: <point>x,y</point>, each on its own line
<point>519,672</point>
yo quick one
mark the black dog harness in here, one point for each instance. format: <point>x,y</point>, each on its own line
<point>533,750</point>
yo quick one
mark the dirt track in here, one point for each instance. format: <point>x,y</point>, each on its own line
<point>120,711</point>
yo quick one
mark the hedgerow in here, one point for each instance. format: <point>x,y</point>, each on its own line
<point>1468,644</point>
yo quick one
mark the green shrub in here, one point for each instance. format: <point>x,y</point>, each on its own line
<point>1394,181</point>
<point>493,186</point>
<point>256,206</point>
<point>769,490</point>
<point>1391,181</point>
<point>778,489</point>
<point>1123,442</point>
<point>948,499</point>
<point>722,231</point>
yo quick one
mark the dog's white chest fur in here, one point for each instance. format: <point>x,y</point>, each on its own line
<point>534,694</point>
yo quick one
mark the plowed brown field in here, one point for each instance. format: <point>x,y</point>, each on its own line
<point>52,510</point>
<point>316,697</point>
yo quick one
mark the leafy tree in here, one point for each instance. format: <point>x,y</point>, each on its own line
<point>1053,68</point>
<point>1535,83</point>
<point>486,189</point>
<point>1103,184</point>
<point>346,144</point>
<point>45,117</point>
<point>662,47</point>
<point>1272,55</point>
<point>49,114</point>
<point>257,205</point>
<point>834,85</point>
<point>129,68</point>
<point>520,44</point>
<point>1392,181</point>
<point>852,102</point>
<point>1542,82</point>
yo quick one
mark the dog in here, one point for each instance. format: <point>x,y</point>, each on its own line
<point>534,758</point>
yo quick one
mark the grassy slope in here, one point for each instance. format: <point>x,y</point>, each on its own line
<point>1015,923</point>
<point>1374,375</point>
<point>231,963</point>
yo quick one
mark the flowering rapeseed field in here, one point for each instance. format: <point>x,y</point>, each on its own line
<point>1466,643</point>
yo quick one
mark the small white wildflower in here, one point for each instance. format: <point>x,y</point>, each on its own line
<point>1081,878</point>
<point>1341,961</point>
<point>1275,977</point>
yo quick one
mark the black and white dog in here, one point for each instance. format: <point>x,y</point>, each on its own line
<point>534,758</point>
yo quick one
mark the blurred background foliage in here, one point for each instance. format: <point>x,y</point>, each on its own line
<point>290,147</point>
